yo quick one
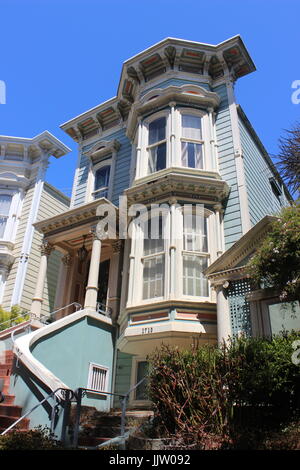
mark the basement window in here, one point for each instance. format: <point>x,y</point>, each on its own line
<point>98,378</point>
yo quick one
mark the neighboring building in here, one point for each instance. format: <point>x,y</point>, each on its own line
<point>25,198</point>
<point>174,134</point>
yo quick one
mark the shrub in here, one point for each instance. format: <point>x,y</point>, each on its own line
<point>249,384</point>
<point>7,319</point>
<point>36,439</point>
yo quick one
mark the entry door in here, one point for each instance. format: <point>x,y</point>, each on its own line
<point>103,282</point>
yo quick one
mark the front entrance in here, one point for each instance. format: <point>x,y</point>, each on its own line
<point>103,283</point>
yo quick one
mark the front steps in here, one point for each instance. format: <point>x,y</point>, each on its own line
<point>9,412</point>
<point>97,427</point>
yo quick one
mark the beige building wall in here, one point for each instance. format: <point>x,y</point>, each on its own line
<point>52,203</point>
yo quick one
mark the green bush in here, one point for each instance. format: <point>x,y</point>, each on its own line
<point>36,439</point>
<point>8,319</point>
<point>207,391</point>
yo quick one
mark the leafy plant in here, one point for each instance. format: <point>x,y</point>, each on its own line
<point>36,439</point>
<point>277,261</point>
<point>13,317</point>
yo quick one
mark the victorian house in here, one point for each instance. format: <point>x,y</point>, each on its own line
<point>173,137</point>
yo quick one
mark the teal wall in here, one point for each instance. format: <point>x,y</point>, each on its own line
<point>123,375</point>
<point>261,199</point>
<point>227,168</point>
<point>67,354</point>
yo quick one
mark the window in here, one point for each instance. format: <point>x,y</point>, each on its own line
<point>153,259</point>
<point>5,202</point>
<point>142,372</point>
<point>194,255</point>
<point>191,142</point>
<point>98,378</point>
<point>157,145</point>
<point>101,182</point>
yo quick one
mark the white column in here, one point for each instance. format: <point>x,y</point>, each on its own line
<point>174,228</point>
<point>90,300</point>
<point>219,233</point>
<point>172,161</point>
<point>114,278</point>
<point>138,152</point>
<point>132,263</point>
<point>37,301</point>
<point>223,315</point>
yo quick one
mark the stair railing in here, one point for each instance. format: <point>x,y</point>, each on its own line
<point>79,393</point>
<point>60,395</point>
<point>48,318</point>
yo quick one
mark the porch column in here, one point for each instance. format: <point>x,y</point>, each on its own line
<point>223,315</point>
<point>60,300</point>
<point>114,278</point>
<point>219,228</point>
<point>37,301</point>
<point>90,300</point>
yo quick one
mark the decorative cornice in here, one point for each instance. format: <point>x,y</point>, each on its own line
<point>244,247</point>
<point>77,216</point>
<point>159,97</point>
<point>103,148</point>
<point>174,182</point>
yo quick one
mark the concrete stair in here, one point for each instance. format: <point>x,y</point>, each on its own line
<point>98,427</point>
<point>9,412</point>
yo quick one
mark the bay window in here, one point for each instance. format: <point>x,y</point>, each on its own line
<point>5,202</point>
<point>191,141</point>
<point>153,259</point>
<point>194,255</point>
<point>157,145</point>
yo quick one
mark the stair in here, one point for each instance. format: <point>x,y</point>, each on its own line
<point>9,412</point>
<point>97,427</point>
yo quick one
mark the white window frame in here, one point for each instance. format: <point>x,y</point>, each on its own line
<point>209,255</point>
<point>143,155</point>
<point>94,169</point>
<point>14,213</point>
<point>134,370</point>
<point>93,365</point>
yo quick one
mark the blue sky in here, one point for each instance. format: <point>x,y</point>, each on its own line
<point>62,57</point>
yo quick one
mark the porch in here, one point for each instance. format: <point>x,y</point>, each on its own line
<point>90,266</point>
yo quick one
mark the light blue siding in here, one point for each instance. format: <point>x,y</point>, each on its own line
<point>121,176</point>
<point>262,201</point>
<point>227,168</point>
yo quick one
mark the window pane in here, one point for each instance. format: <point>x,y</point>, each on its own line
<point>5,201</point>
<point>191,155</point>
<point>191,127</point>
<point>157,130</point>
<point>284,318</point>
<point>157,158</point>
<point>195,233</point>
<point>194,281</point>
<point>102,177</point>
<point>153,277</point>
<point>153,239</point>
<point>142,371</point>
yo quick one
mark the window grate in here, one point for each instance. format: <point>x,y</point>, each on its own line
<point>98,378</point>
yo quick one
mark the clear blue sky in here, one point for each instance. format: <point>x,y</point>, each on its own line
<point>61,57</point>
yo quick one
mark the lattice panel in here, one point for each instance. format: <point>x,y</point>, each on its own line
<point>239,307</point>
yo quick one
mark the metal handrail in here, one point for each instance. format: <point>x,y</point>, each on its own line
<point>52,394</point>
<point>78,306</point>
<point>102,308</point>
<point>79,393</point>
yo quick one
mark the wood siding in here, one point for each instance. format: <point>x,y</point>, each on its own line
<point>227,168</point>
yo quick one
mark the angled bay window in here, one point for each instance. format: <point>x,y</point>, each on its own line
<point>153,259</point>
<point>5,203</point>
<point>194,255</point>
<point>191,141</point>
<point>157,145</point>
